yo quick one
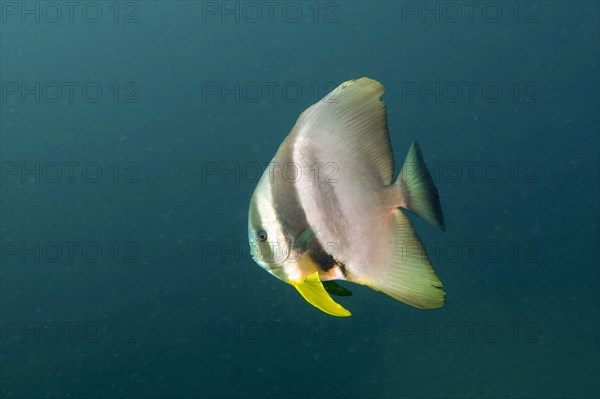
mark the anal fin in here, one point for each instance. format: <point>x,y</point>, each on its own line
<point>407,275</point>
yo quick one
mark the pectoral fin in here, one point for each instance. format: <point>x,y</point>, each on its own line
<point>304,239</point>
<point>311,288</point>
<point>334,289</point>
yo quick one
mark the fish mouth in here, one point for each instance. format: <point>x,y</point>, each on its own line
<point>276,258</point>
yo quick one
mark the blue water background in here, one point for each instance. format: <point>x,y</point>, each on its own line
<point>174,307</point>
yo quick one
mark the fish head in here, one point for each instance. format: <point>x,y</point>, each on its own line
<point>268,240</point>
<point>271,247</point>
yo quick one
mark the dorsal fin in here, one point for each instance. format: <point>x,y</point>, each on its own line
<point>353,114</point>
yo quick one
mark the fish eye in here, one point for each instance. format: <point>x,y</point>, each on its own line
<point>262,236</point>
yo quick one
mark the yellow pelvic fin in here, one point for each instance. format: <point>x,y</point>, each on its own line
<point>313,291</point>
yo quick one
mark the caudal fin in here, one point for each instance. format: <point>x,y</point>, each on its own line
<point>404,271</point>
<point>418,192</point>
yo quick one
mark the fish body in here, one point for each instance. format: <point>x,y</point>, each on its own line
<point>327,207</point>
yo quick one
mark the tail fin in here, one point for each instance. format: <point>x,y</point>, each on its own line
<point>418,192</point>
<point>405,273</point>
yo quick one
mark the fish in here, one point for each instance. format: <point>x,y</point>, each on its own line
<point>327,208</point>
